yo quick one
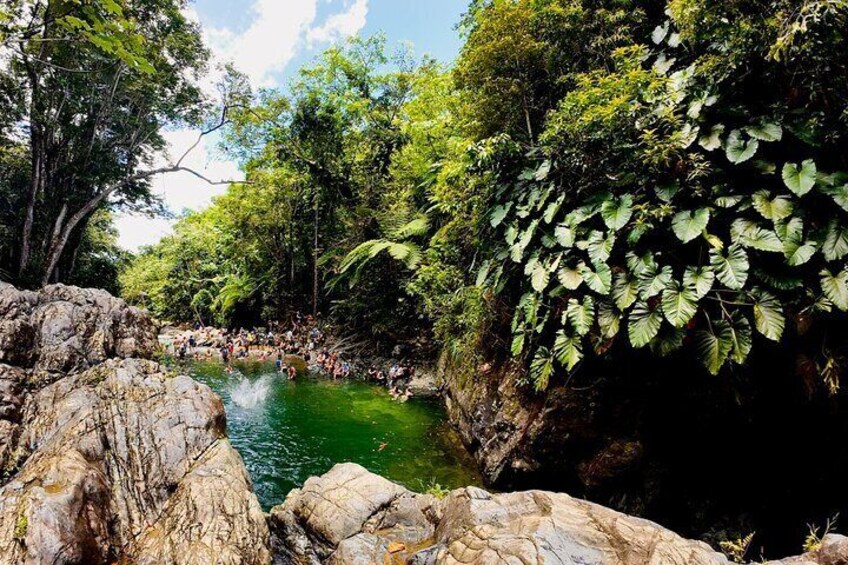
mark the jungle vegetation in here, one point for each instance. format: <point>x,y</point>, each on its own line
<point>590,177</point>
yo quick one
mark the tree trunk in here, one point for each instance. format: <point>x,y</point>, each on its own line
<point>37,146</point>
<point>315,263</point>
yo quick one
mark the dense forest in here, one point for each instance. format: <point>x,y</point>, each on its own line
<point>588,176</point>
<point>592,183</point>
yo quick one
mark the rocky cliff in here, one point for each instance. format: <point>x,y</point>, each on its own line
<point>108,458</point>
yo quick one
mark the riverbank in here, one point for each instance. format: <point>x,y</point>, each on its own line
<point>404,378</point>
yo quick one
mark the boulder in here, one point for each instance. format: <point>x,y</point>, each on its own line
<point>62,329</point>
<point>350,516</point>
<point>126,461</point>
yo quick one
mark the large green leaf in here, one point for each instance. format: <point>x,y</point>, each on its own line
<point>742,338</point>
<point>543,170</point>
<point>625,291</point>
<point>732,268</point>
<point>517,344</point>
<point>839,193</point>
<point>768,315</point>
<point>564,235</point>
<point>600,246</point>
<point>800,180</point>
<point>643,324</point>
<point>617,212</point>
<point>738,149</point>
<point>688,225</point>
<point>698,280</point>
<point>541,368</point>
<point>679,304</point>
<point>835,244</point>
<point>540,276</point>
<point>712,140</point>
<point>653,281</point>
<point>499,213</point>
<point>772,209</point>
<point>581,316</point>
<point>609,319</point>
<point>835,288</point>
<point>765,131</point>
<point>599,280</point>
<point>569,278</point>
<point>761,239</point>
<point>568,349</point>
<point>714,345</point>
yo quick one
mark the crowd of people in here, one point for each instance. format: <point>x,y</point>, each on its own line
<point>301,337</point>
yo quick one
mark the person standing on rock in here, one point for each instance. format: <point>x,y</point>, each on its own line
<point>225,357</point>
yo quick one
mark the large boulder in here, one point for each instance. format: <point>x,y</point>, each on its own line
<point>105,458</point>
<point>62,329</point>
<point>350,516</point>
<point>126,461</point>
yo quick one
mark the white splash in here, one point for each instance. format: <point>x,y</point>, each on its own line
<point>249,394</point>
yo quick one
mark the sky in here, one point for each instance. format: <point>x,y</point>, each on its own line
<point>269,40</point>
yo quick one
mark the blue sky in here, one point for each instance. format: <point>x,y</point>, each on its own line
<point>269,40</point>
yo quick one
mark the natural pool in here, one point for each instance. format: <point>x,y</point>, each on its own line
<point>287,431</point>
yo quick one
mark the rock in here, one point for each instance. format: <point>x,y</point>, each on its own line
<point>63,329</point>
<point>515,436</point>
<point>328,510</point>
<point>109,459</point>
<point>125,461</point>
<point>350,516</point>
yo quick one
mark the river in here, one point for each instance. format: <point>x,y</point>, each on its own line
<point>287,431</point>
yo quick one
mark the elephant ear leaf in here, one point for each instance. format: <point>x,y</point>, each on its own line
<point>739,150</point>
<point>835,288</point>
<point>568,350</point>
<point>765,131</point>
<point>644,324</point>
<point>800,180</point>
<point>688,225</point>
<point>616,213</point>
<point>679,304</point>
<point>768,315</point>
<point>731,269</point>
<point>714,345</point>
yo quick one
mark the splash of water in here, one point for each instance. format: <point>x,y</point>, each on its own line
<point>250,394</point>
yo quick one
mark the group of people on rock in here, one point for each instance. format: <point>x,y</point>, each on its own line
<point>301,337</point>
<point>396,379</point>
<point>331,364</point>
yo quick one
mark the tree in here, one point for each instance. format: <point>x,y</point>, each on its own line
<point>96,81</point>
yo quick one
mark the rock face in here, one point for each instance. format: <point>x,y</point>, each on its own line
<point>350,516</point>
<point>107,458</point>
<point>62,329</point>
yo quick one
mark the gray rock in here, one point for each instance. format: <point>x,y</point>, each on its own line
<point>350,516</point>
<point>126,461</point>
<point>62,329</point>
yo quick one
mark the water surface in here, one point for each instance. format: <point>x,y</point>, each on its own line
<point>287,431</point>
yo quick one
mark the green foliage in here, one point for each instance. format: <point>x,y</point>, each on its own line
<point>590,177</point>
<point>683,240</point>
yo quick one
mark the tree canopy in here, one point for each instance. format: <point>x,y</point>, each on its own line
<point>591,177</point>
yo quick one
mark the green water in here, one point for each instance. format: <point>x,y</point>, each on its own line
<point>288,431</point>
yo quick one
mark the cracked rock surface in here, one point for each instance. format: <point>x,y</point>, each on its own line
<point>352,517</point>
<point>106,458</point>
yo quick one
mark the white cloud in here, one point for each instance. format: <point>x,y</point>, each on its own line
<point>271,40</point>
<point>341,25</point>
<point>262,50</point>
